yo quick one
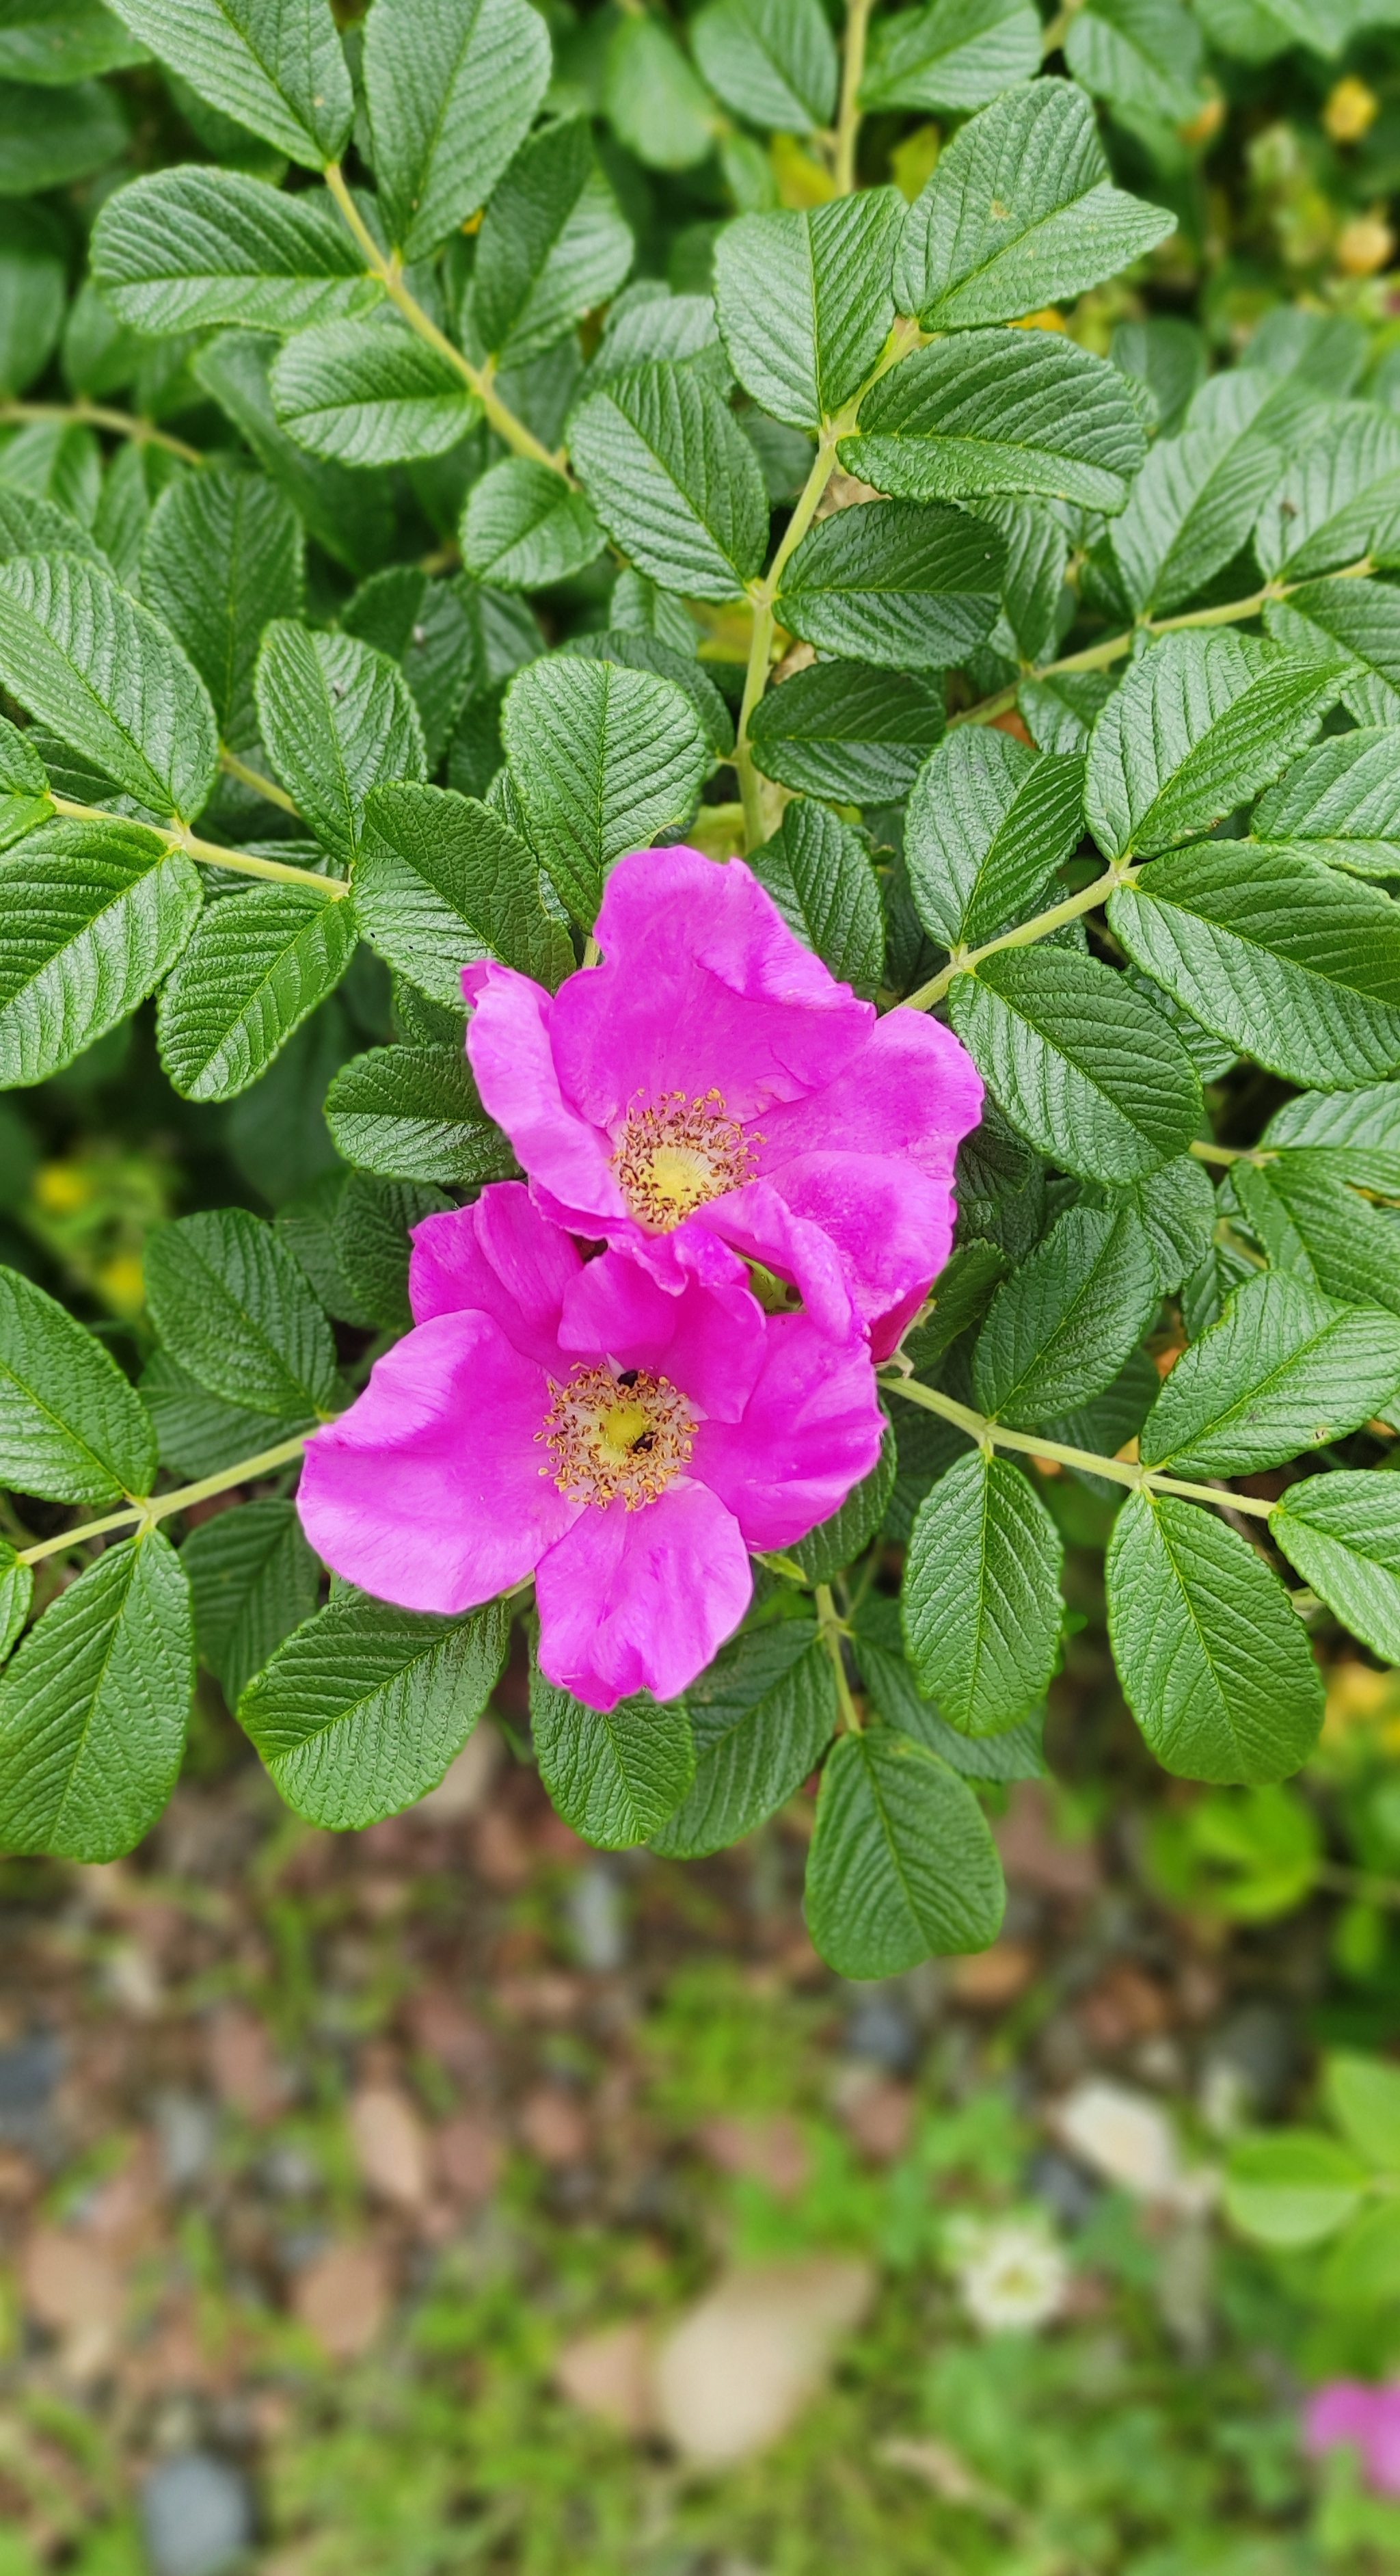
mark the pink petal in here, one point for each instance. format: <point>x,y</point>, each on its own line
<point>641,1600</point>
<point>811,1430</point>
<point>1341,2411</point>
<point>432,1490</point>
<point>709,1342</point>
<point>510,1045</point>
<point>763,1225</point>
<point>890,1225</point>
<point>499,1257</point>
<point>912,1089</point>
<point>889,1329</point>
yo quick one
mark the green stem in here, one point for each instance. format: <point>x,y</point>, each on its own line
<point>159,1507</point>
<point>267,788</point>
<point>122,424</point>
<point>1025,935</point>
<point>832,1628</point>
<point>848,114</point>
<point>1119,1471</point>
<point>1213,1153</point>
<point>244,863</point>
<point>480,380</point>
<point>763,594</point>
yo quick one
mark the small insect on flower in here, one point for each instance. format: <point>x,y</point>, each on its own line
<point>1011,2273</point>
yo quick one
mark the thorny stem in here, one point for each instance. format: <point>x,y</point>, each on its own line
<point>832,1628</point>
<point>212,854</point>
<point>267,788</point>
<point>122,424</point>
<point>480,380</point>
<point>1025,936</point>
<point>1120,1471</point>
<point>848,114</point>
<point>159,1507</point>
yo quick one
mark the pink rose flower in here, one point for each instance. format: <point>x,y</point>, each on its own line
<point>711,1091</point>
<point>572,1420</point>
<point>1348,2411</point>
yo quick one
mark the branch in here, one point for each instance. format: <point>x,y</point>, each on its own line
<point>267,788</point>
<point>159,1507</point>
<point>852,74</point>
<point>832,1629</point>
<point>122,424</point>
<point>211,854</point>
<point>1119,1471</point>
<point>1040,925</point>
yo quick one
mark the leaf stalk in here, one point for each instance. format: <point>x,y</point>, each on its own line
<point>1119,1471</point>
<point>145,1514</point>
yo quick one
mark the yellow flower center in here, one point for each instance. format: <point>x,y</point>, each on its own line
<point>676,1153</point>
<point>615,1437</point>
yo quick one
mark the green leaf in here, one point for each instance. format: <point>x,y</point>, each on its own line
<point>1295,964</point>
<point>223,553</point>
<point>761,1716</point>
<point>772,61</point>
<point>1363,2094</point>
<point>614,1774</point>
<point>553,246</point>
<point>1079,1062</point>
<point>957,53</point>
<point>1197,726</point>
<point>274,65</point>
<point>1360,1129</point>
<point>648,652</point>
<point>82,656</point>
<point>848,731</point>
<point>198,1434</point>
<point>1064,1324</point>
<point>603,760</point>
<point>1308,1220</point>
<point>1294,2187</point>
<point>92,915</point>
<point>452,87</point>
<point>1363,2269</point>
<point>674,480</point>
<point>902,1862</point>
<point>960,1297</point>
<point>1197,497</point>
<point>1176,1207</point>
<point>257,964</point>
<point>432,629</point>
<point>805,302</point>
<point>1343,799</point>
<point>53,41</point>
<point>94,1705</point>
<point>1356,623</point>
<point>33,293</point>
<point>1338,500</point>
<point>414,1114</point>
<point>349,512</point>
<point>1215,1663</point>
<point>1342,1531</point>
<point>233,1306</point>
<point>1142,54</point>
<point>1013,1753</point>
<point>370,393</point>
<point>16,1595</point>
<point>991,411</point>
<point>50,137</point>
<point>189,248</point>
<point>981,1597</point>
<point>1020,213</point>
<point>988,823</point>
<point>818,873</point>
<point>337,719</point>
<point>441,881</point>
<point>71,1426</point>
<point>653,101</point>
<point>523,526</point>
<point>837,1541</point>
<point>371,1239</point>
<point>1032,588</point>
<point>253,1579</point>
<point>1168,357</point>
<point>899,582</point>
<point>361,1710</point>
<point>1284,1370</point>
<point>1060,713</point>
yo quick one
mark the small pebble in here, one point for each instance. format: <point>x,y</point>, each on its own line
<point>197,2515</point>
<point>596,1920</point>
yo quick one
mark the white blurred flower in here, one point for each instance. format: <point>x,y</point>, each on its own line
<point>1011,2273</point>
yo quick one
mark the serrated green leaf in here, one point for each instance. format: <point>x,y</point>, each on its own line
<point>1176,1206</point>
<point>909,584</point>
<point>989,412</point>
<point>414,1114</point>
<point>433,630</point>
<point>772,61</point>
<point>1168,356</point>
<point>603,760</point>
<point>94,1705</point>
<point>1363,2094</point>
<point>33,293</point>
<point>614,1774</point>
<point>805,303</point>
<point>273,65</point>
<point>652,98</point>
<point>648,652</point>
<point>902,1862</point>
<point>1036,538</point>
<point>1013,1753</point>
<point>1215,1664</point>
<point>981,1597</point>
<point>16,1595</point>
<point>818,873</point>
<point>187,249</point>
<point>524,527</point>
<point>1352,621</point>
<point>837,1541</point>
<point>1343,799</point>
<point>1079,1062</point>
<point>1284,1370</point>
<point>1198,725</point>
<point>256,965</point>
<point>50,137</point>
<point>956,53</point>
<point>1020,212</point>
<point>253,1579</point>
<point>370,393</point>
<point>1060,713</point>
<point>761,1716</point>
<point>1338,500</point>
<point>197,1432</point>
<point>1342,1531</point>
<point>848,731</point>
<point>371,1238</point>
<point>1143,54</point>
<point>441,882</point>
<point>988,824</point>
<point>674,480</point>
<point>1197,497</point>
<point>1293,2187</point>
<point>1294,963</point>
<point>1063,1326</point>
<point>234,1307</point>
<point>53,41</point>
<point>30,526</point>
<point>71,1426</point>
<point>960,1297</point>
<point>348,511</point>
<point>337,719</point>
<point>553,245</point>
<point>1353,1125</point>
<point>92,915</point>
<point>361,1710</point>
<point>82,656</point>
<point>1303,1215</point>
<point>222,554</point>
<point>451,87</point>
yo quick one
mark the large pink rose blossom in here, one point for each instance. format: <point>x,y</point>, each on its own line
<point>1348,2411</point>
<point>710,1091</point>
<point>574,1421</point>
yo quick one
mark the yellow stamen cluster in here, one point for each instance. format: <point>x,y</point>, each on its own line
<point>616,1436</point>
<point>676,1153</point>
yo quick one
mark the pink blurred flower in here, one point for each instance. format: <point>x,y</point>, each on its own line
<point>1347,2410</point>
<point>711,1091</point>
<point>572,1420</point>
